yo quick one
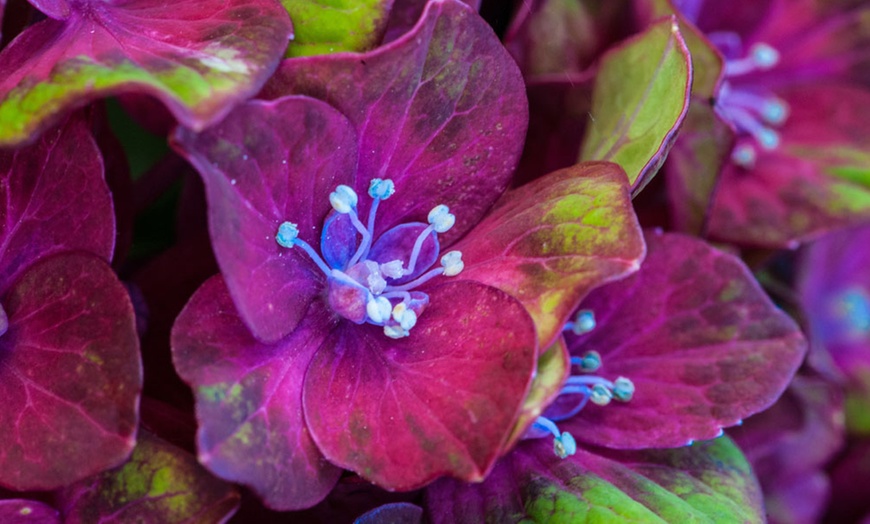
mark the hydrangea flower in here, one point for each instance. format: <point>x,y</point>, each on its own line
<point>381,303</point>
<point>70,374</point>
<point>775,132</point>
<point>834,292</point>
<point>669,355</point>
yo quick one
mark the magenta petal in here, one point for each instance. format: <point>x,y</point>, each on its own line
<point>53,198</point>
<point>701,341</point>
<point>813,182</point>
<point>439,402</point>
<point>249,400</point>
<point>70,375</point>
<point>57,9</point>
<point>442,112</point>
<point>20,511</point>
<point>266,163</point>
<point>199,57</point>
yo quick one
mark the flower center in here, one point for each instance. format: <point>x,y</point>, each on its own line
<point>371,281</point>
<point>754,112</point>
<point>578,391</point>
<point>852,309</point>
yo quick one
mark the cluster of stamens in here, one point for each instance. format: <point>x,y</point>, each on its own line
<point>582,388</point>
<point>364,290</point>
<point>754,112</point>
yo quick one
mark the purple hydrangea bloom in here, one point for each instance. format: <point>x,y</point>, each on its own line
<point>775,133</point>
<point>669,355</point>
<point>381,300</point>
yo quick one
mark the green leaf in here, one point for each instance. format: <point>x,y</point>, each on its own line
<point>640,99</point>
<point>709,482</point>
<point>332,26</point>
<point>160,483</point>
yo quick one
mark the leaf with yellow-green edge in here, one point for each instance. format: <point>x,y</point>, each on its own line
<point>640,99</point>
<point>553,368</point>
<point>199,57</point>
<point>549,242</point>
<point>160,483</point>
<point>332,26</point>
<point>709,482</point>
<point>707,62</point>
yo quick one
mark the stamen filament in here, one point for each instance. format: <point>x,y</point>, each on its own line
<point>418,246</point>
<point>366,238</point>
<point>314,255</point>
<point>425,277</point>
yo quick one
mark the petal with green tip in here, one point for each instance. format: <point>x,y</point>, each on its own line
<point>199,57</point>
<point>549,242</point>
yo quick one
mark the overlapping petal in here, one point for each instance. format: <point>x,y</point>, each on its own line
<point>54,199</point>
<point>198,57</point>
<point>441,111</point>
<point>701,342</point>
<point>550,242</point>
<point>441,401</point>
<point>70,374</point>
<point>270,162</point>
<point>249,399</point>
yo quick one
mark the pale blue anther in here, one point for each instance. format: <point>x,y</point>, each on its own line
<point>381,189</point>
<point>588,363</point>
<point>744,155</point>
<point>764,55</point>
<point>600,395</point>
<point>379,309</point>
<point>767,138</point>
<point>288,232</point>
<point>441,218</point>
<point>405,316</point>
<point>774,111</point>
<point>564,444</point>
<point>623,389</point>
<point>452,263</point>
<point>584,322</point>
<point>343,199</point>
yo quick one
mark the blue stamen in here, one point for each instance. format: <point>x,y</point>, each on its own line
<point>564,444</point>
<point>589,388</point>
<point>359,289</point>
<point>288,236</point>
<point>588,363</point>
<point>584,322</point>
